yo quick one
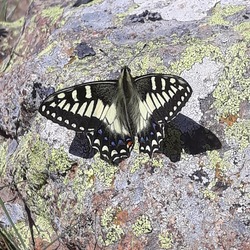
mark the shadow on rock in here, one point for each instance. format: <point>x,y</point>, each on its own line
<point>182,133</point>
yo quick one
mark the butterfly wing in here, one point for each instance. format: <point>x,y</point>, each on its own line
<point>161,97</point>
<point>90,108</point>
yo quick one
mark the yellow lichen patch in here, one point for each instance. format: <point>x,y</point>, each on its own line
<point>165,240</point>
<point>244,30</point>
<point>142,226</point>
<point>220,13</point>
<point>112,231</point>
<point>239,133</point>
<point>3,152</point>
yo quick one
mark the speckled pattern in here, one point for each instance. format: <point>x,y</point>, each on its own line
<point>201,201</point>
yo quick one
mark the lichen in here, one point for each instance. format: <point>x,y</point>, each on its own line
<point>165,240</point>
<point>104,171</point>
<point>194,53</point>
<point>233,87</point>
<point>142,226</point>
<point>113,232</point>
<point>53,13</point>
<point>239,133</point>
<point>220,13</point>
<point>3,155</point>
<point>244,30</point>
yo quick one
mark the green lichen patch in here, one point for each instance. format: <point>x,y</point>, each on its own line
<point>194,53</point>
<point>142,226</point>
<point>112,232</point>
<point>3,156</point>
<point>104,171</point>
<point>233,87</point>
<point>53,13</point>
<point>165,240</point>
<point>220,13</point>
<point>239,133</point>
<point>244,30</point>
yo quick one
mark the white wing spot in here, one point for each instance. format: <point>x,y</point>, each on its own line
<point>53,104</point>
<point>53,115</point>
<point>165,95</point>
<point>180,87</point>
<point>156,102</point>
<point>104,112</point>
<point>178,103</point>
<point>188,89</point>
<point>171,93</point>
<point>89,109</point>
<point>163,83</point>
<point>170,113</point>
<point>66,121</point>
<point>67,107</point>
<point>123,151</point>
<point>61,95</point>
<point>73,125</point>
<point>114,152</point>
<point>47,112</point>
<point>158,134</point>
<point>111,114</point>
<point>98,109</point>
<point>74,108</point>
<point>154,142</point>
<point>174,89</point>
<point>59,118</point>
<point>148,148</point>
<point>82,109</point>
<point>88,92</point>
<point>82,128</point>
<point>105,148</point>
<point>162,101</point>
<point>117,126</point>
<point>43,108</point>
<point>97,141</point>
<point>62,103</point>
<point>186,94</point>
<point>172,80</point>
<point>143,110</point>
<point>182,98</point>
<point>149,103</point>
<point>153,83</point>
<point>174,108</point>
<point>74,95</point>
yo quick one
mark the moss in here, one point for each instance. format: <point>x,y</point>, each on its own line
<point>113,232</point>
<point>142,226</point>
<point>244,30</point>
<point>239,132</point>
<point>165,240</point>
<point>233,87</point>
<point>220,13</point>
<point>3,156</point>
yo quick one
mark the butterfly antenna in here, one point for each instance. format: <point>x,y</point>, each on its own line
<point>133,58</point>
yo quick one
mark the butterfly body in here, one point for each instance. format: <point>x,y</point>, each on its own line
<point>113,112</point>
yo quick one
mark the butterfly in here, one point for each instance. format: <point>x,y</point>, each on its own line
<point>113,112</point>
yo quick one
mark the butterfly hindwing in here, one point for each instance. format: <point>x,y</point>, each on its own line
<point>151,138</point>
<point>112,147</point>
<point>161,97</point>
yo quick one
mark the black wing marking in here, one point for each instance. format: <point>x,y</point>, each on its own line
<point>161,97</point>
<point>113,148</point>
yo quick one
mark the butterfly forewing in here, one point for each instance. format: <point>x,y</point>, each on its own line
<point>161,97</point>
<point>82,107</point>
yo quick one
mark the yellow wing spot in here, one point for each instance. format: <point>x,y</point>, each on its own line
<point>61,95</point>
<point>89,109</point>
<point>88,92</point>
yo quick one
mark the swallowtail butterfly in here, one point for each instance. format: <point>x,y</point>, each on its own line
<point>113,112</point>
